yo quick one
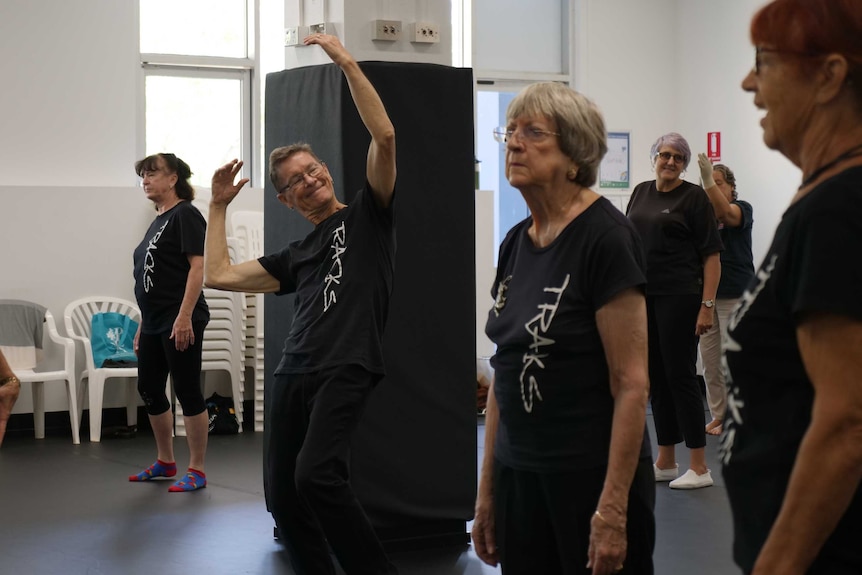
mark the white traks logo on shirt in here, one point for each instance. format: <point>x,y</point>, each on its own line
<point>149,261</point>
<point>333,278</point>
<point>537,327</point>
<point>734,403</point>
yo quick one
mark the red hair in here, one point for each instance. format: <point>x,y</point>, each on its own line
<point>811,26</point>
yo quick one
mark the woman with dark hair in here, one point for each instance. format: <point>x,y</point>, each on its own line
<point>735,218</point>
<point>678,228</point>
<point>792,441</point>
<point>169,289</point>
<point>567,484</point>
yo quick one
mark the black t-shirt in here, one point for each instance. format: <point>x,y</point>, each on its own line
<point>551,375</point>
<point>161,267</point>
<point>812,266</point>
<point>737,263</point>
<point>342,274</point>
<point>679,230</point>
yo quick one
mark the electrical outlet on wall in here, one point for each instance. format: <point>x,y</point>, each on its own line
<point>322,28</point>
<point>389,30</point>
<point>293,36</point>
<point>424,33</point>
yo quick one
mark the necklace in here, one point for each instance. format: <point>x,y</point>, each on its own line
<point>851,153</point>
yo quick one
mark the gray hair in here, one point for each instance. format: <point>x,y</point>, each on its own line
<point>728,177</point>
<point>279,155</point>
<point>675,141</point>
<point>583,137</point>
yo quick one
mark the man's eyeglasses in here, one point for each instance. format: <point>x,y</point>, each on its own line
<point>758,50</point>
<point>528,134</point>
<point>313,172</point>
<point>667,156</point>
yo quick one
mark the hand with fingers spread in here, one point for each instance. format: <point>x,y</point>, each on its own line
<point>224,190</point>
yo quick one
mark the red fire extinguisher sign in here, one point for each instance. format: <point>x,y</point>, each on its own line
<point>713,146</point>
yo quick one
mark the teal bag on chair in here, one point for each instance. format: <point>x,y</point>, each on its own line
<point>112,338</point>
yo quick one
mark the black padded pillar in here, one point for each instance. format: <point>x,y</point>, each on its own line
<point>414,456</point>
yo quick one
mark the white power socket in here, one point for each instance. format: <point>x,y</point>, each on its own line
<point>322,28</point>
<point>389,30</point>
<point>424,33</point>
<point>294,36</point>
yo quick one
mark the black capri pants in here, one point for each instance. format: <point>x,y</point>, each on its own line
<point>158,356</point>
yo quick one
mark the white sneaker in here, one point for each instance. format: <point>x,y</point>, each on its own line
<point>666,474</point>
<point>691,480</point>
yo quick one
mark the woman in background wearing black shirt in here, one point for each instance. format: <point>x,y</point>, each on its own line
<point>678,229</point>
<point>169,289</point>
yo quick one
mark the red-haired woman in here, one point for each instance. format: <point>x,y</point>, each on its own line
<point>792,443</point>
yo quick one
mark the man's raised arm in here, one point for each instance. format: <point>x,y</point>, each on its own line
<point>219,273</point>
<point>380,166</point>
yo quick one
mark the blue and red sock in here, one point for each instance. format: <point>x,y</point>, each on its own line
<point>191,481</point>
<point>157,469</point>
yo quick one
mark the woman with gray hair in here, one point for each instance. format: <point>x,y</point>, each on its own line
<point>567,477</point>
<point>735,218</point>
<point>677,225</point>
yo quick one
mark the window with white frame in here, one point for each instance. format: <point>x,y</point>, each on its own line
<point>503,64</point>
<point>197,81</point>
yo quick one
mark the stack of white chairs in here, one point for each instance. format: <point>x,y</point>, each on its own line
<point>223,342</point>
<point>247,228</point>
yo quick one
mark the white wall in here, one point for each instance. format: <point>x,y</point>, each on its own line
<point>676,65</point>
<point>69,98</point>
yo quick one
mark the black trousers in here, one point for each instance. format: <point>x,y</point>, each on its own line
<point>158,356</point>
<point>542,520</point>
<point>677,404</point>
<point>312,420</point>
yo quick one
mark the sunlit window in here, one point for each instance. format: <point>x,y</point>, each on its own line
<point>198,82</point>
<point>194,27</point>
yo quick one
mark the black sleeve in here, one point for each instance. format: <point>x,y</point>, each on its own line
<point>278,266</point>
<point>824,275</point>
<point>616,265</point>
<point>703,223</point>
<point>192,229</point>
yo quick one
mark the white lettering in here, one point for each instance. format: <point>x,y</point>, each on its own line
<point>333,278</point>
<point>537,326</point>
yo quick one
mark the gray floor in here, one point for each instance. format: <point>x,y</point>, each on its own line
<point>67,509</point>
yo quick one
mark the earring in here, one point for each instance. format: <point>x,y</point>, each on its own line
<point>572,174</point>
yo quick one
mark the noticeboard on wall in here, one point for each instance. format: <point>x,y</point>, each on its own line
<point>614,169</point>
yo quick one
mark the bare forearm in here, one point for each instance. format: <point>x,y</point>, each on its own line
<point>492,421</point>
<point>626,439</point>
<point>727,213</point>
<point>216,257</point>
<point>711,275</point>
<point>368,102</point>
<point>194,285</point>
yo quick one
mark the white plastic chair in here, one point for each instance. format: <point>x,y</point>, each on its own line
<point>78,318</point>
<point>31,372</point>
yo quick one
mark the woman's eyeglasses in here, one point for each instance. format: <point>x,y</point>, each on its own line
<point>667,156</point>
<point>758,50</point>
<point>528,134</point>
